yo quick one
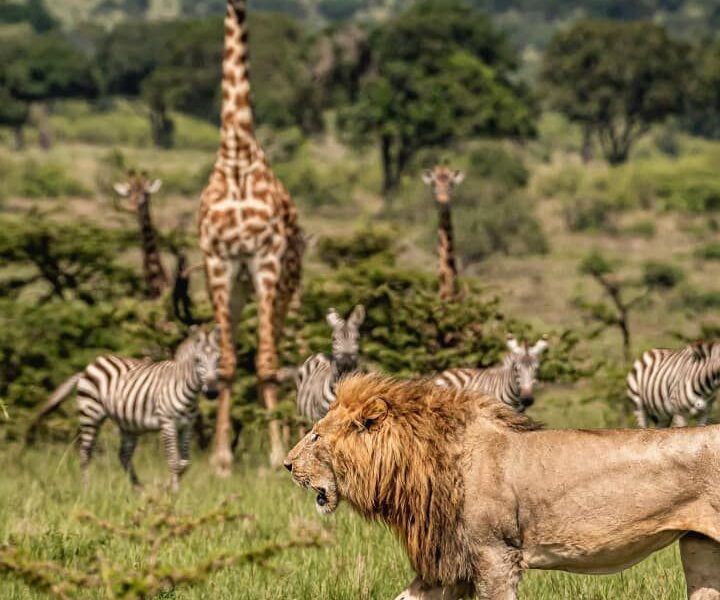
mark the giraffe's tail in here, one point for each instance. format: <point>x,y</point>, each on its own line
<point>57,397</point>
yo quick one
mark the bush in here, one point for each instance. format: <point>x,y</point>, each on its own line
<point>492,161</point>
<point>47,180</point>
<point>588,214</point>
<point>709,251</point>
<point>660,275</point>
<point>360,246</point>
<point>644,228</point>
<point>698,301</point>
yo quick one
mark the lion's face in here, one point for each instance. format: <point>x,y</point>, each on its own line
<point>347,434</point>
<point>311,468</point>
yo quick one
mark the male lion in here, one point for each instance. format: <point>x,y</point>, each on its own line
<point>478,493</point>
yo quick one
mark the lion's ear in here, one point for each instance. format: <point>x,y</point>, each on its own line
<point>372,413</point>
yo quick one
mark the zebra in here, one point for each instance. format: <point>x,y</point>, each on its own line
<point>512,381</point>
<point>318,375</point>
<point>674,385</point>
<point>141,396</point>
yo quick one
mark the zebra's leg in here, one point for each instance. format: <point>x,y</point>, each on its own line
<point>169,436</point>
<point>90,424</point>
<point>678,420</point>
<point>184,443</point>
<point>128,442</point>
<point>703,418</point>
<point>641,416</point>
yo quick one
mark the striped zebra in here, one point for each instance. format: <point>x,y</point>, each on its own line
<point>673,385</point>
<point>141,396</point>
<point>317,377</point>
<point>512,381</point>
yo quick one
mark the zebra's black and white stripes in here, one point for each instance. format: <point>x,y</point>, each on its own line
<point>512,382</point>
<point>675,384</point>
<point>317,377</point>
<point>141,396</point>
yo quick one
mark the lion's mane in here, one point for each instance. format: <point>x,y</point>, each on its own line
<point>407,469</point>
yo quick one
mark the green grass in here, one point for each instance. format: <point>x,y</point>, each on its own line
<point>40,492</point>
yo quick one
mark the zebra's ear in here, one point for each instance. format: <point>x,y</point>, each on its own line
<point>512,344</point>
<point>428,177</point>
<point>333,318</point>
<point>122,189</point>
<point>372,414</point>
<point>357,316</point>
<point>539,347</point>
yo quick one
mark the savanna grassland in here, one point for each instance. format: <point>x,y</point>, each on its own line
<point>536,287</point>
<point>559,210</point>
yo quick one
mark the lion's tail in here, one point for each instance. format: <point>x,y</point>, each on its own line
<point>57,397</point>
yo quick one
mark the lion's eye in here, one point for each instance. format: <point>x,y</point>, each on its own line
<point>314,437</point>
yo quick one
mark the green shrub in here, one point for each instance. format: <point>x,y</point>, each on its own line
<point>644,228</point>
<point>709,251</point>
<point>698,300</point>
<point>360,246</point>
<point>588,214</point>
<point>47,180</point>
<point>659,275</point>
<point>492,161</point>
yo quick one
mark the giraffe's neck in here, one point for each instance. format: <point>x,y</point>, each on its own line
<point>154,273</point>
<point>238,147</point>
<point>446,252</point>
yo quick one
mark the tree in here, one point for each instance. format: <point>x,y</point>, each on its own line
<point>624,294</point>
<point>439,73</point>
<point>45,68</point>
<point>615,78</point>
<point>32,11</point>
<point>702,111</point>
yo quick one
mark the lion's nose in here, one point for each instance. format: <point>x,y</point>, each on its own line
<point>288,465</point>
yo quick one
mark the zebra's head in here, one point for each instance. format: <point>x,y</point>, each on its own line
<point>524,360</point>
<point>203,348</point>
<point>346,338</point>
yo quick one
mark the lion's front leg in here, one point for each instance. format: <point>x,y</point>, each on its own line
<point>419,590</point>
<point>497,574</point>
<point>701,562</point>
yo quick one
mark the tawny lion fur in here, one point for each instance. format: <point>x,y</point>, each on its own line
<point>478,493</point>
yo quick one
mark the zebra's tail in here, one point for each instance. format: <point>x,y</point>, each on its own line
<point>63,391</point>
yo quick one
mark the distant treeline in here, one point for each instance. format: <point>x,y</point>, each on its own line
<point>431,76</point>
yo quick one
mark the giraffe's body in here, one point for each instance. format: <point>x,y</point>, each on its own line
<point>249,235</point>
<point>139,189</point>
<point>442,179</point>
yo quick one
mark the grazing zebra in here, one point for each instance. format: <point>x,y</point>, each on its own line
<point>512,382</point>
<point>675,384</point>
<point>141,396</point>
<point>317,377</point>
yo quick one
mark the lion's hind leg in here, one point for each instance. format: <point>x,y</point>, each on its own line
<point>701,562</point>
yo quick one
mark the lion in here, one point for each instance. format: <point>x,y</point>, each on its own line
<point>478,493</point>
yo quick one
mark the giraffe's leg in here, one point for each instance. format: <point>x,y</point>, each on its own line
<point>169,436</point>
<point>221,276</point>
<point>128,442</point>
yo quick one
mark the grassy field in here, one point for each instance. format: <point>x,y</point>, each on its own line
<point>40,494</point>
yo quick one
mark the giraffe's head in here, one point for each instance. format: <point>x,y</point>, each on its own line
<point>524,360</point>
<point>442,179</point>
<point>346,338</point>
<point>137,188</point>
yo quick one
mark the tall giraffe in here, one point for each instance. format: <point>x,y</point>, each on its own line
<point>442,180</point>
<point>250,238</point>
<point>138,188</point>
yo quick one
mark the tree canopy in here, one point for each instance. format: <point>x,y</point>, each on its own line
<point>617,79</point>
<point>438,73</point>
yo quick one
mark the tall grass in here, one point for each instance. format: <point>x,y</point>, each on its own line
<point>40,490</point>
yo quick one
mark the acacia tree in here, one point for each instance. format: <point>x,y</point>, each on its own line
<point>438,73</point>
<point>702,111</point>
<point>615,80</point>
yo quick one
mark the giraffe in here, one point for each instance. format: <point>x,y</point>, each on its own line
<point>138,188</point>
<point>442,180</point>
<point>250,239</point>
